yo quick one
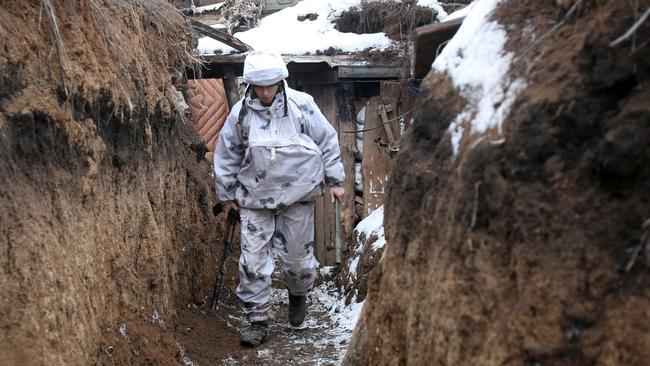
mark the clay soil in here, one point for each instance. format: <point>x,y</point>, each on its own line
<point>106,229</point>
<point>212,338</point>
<point>522,252</point>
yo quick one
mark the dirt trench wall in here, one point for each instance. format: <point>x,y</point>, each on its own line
<point>515,253</point>
<point>106,227</point>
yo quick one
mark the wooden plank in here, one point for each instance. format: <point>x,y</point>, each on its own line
<point>329,107</point>
<point>317,78</point>
<point>321,236</point>
<point>224,59</point>
<point>378,160</point>
<point>220,36</point>
<point>231,87</point>
<point>325,98</point>
<point>376,163</point>
<point>426,41</point>
<point>348,143</point>
<point>366,72</point>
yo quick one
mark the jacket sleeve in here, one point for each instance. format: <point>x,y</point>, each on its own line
<point>229,153</point>
<point>324,135</point>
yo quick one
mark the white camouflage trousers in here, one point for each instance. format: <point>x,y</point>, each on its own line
<point>290,231</point>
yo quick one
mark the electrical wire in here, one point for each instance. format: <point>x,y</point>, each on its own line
<point>381,124</point>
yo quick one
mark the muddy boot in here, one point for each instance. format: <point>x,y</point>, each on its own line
<point>255,334</point>
<point>297,309</point>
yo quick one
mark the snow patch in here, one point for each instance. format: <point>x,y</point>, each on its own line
<point>330,299</point>
<point>188,362</point>
<point>373,224</point>
<point>352,269</point>
<point>282,32</point>
<point>123,332</point>
<point>460,13</point>
<point>203,9</point>
<point>435,5</point>
<point>157,319</point>
<point>476,61</point>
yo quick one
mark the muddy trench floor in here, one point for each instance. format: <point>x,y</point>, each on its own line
<point>212,338</point>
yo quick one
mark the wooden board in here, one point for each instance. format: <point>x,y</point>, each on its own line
<point>377,161</point>
<point>324,229</point>
<point>367,72</point>
<point>403,102</point>
<point>427,41</point>
<point>348,143</point>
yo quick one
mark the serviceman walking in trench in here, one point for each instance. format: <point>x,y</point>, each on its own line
<point>276,153</point>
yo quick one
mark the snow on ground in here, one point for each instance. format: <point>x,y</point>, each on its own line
<point>321,340</point>
<point>324,336</point>
<point>476,61</point>
<point>282,32</point>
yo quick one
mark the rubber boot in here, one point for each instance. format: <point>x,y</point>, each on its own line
<point>297,309</point>
<point>255,334</point>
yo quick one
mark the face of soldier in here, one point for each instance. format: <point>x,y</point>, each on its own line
<point>266,93</point>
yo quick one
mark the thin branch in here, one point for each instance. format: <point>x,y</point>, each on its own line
<point>555,27</point>
<point>631,31</point>
<point>475,210</point>
<point>381,124</point>
<point>63,59</point>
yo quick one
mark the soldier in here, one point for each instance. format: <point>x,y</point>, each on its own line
<point>276,153</point>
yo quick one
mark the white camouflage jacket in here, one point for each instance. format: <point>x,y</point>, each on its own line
<point>271,157</point>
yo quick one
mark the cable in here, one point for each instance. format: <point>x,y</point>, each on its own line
<point>381,124</point>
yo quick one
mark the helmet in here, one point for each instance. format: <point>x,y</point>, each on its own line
<point>264,68</point>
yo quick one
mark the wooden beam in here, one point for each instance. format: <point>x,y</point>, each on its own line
<point>231,87</point>
<point>329,108</point>
<point>368,72</point>
<point>316,78</point>
<point>325,98</point>
<point>377,161</point>
<point>426,41</point>
<point>220,36</point>
<point>348,142</point>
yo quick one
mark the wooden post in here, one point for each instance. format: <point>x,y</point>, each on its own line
<point>231,87</point>
<point>324,225</point>
<point>347,122</point>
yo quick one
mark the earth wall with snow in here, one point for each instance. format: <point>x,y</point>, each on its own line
<point>516,214</point>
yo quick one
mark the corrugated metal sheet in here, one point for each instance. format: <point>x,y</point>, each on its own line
<point>209,109</point>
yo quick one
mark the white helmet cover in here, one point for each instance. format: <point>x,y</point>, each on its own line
<point>264,68</point>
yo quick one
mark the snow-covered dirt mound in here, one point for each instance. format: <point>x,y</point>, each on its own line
<point>516,209</point>
<point>367,248</point>
<point>315,26</point>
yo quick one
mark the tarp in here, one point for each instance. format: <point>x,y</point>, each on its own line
<point>209,109</point>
